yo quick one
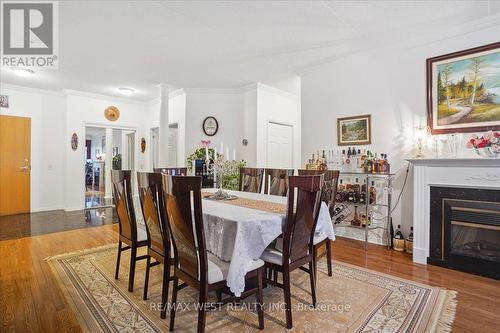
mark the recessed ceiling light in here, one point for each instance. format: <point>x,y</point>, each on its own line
<point>23,72</point>
<point>126,91</point>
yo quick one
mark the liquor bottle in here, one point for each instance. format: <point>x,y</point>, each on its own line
<point>368,164</point>
<point>339,219</point>
<point>348,158</point>
<point>338,210</point>
<point>363,220</point>
<point>375,165</point>
<point>410,237</point>
<point>322,162</point>
<point>373,194</point>
<point>355,220</point>
<point>398,234</point>
<point>387,166</point>
<point>339,196</point>
<point>356,191</point>
<point>343,157</point>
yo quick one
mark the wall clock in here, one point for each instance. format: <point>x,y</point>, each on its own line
<point>210,126</point>
<point>112,113</point>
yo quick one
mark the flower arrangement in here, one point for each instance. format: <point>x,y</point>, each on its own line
<point>228,172</point>
<point>487,145</point>
<point>198,154</point>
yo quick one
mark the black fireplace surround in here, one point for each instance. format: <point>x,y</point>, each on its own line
<point>465,230</point>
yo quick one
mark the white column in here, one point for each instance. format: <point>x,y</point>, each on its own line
<point>108,165</point>
<point>421,221</point>
<point>163,135</point>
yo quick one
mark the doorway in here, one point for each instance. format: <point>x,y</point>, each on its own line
<point>279,145</point>
<point>106,149</point>
<point>173,141</point>
<point>15,165</point>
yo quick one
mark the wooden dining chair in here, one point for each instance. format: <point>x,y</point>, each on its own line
<point>159,245</point>
<point>297,246</point>
<point>251,179</point>
<point>276,181</point>
<point>193,264</point>
<point>328,193</point>
<point>129,233</point>
<point>182,171</point>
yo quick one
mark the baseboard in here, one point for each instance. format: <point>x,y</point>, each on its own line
<point>46,209</point>
<point>419,256</point>
<point>72,209</point>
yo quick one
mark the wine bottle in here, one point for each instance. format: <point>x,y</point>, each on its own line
<point>398,234</point>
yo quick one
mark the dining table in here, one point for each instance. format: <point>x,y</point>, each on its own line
<point>238,231</point>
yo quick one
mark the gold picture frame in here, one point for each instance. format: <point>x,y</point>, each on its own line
<point>354,131</point>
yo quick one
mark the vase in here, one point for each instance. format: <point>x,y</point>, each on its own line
<point>488,152</point>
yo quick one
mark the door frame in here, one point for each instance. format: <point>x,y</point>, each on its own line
<point>112,126</point>
<point>283,123</point>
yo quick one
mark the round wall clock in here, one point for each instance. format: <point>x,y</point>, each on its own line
<point>210,126</point>
<point>112,113</point>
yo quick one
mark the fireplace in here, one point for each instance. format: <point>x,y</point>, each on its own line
<point>465,229</point>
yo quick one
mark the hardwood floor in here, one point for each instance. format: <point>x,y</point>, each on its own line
<point>30,300</point>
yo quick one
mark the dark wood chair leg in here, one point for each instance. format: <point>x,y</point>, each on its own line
<point>288,300</point>
<point>312,278</point>
<point>118,257</point>
<point>131,276</point>
<point>146,278</point>
<point>174,303</point>
<point>164,289</point>
<point>201,312</point>
<point>260,299</point>
<point>219,295</point>
<point>329,256</point>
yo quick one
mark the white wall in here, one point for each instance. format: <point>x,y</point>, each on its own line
<point>47,112</point>
<point>88,110</point>
<point>227,108</point>
<point>275,105</point>
<point>389,84</point>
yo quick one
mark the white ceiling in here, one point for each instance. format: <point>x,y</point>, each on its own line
<point>196,44</point>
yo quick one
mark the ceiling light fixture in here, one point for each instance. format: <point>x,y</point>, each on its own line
<point>23,72</point>
<point>126,91</point>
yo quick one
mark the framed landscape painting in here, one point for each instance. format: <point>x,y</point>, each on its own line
<point>463,91</point>
<point>354,130</point>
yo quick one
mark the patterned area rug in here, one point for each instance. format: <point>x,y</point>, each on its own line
<point>353,300</point>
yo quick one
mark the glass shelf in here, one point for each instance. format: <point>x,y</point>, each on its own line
<point>359,204</point>
<point>360,173</point>
<point>370,227</point>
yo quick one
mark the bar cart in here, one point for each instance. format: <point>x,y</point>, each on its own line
<point>377,211</point>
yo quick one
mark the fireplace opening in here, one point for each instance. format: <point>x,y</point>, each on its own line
<point>465,230</point>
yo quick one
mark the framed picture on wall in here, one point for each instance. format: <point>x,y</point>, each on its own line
<point>463,90</point>
<point>355,130</point>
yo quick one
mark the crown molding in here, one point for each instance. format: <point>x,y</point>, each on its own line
<point>16,87</point>
<point>171,94</point>
<point>212,90</point>
<point>70,92</point>
<point>277,91</point>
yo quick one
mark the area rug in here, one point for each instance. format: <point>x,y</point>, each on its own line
<point>353,300</point>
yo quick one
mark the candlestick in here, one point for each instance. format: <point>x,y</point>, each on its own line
<point>234,154</point>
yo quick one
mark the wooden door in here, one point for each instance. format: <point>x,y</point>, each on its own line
<point>279,146</point>
<point>15,165</point>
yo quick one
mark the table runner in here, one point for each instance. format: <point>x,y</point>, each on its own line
<point>266,206</point>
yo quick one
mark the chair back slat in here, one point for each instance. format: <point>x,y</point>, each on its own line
<point>152,204</point>
<point>302,215</point>
<point>329,190</point>
<point>182,171</point>
<point>185,218</point>
<point>251,179</point>
<point>276,181</point>
<point>122,198</point>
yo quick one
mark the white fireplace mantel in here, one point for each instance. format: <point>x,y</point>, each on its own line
<point>449,172</point>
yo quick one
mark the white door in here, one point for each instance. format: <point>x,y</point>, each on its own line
<point>172,145</point>
<point>279,146</point>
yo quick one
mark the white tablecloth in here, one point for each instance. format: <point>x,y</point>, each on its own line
<point>240,235</point>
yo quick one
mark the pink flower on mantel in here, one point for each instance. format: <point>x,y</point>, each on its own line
<point>469,144</point>
<point>205,143</point>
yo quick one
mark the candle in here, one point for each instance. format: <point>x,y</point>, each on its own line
<point>234,154</point>
<point>222,147</point>
<point>227,153</point>
<point>206,153</point>
<point>215,153</point>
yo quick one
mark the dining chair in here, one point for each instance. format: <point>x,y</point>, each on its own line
<point>181,171</point>
<point>129,233</point>
<point>251,179</point>
<point>159,244</point>
<point>328,193</point>
<point>297,245</point>
<point>276,181</point>
<point>193,264</point>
